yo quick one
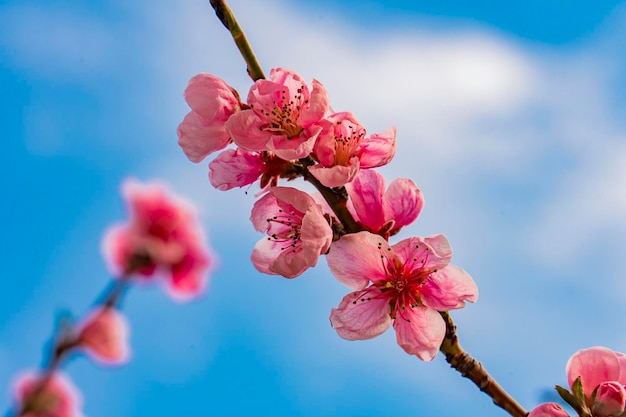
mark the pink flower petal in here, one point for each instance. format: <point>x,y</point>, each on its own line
<point>318,106</point>
<point>235,168</point>
<point>190,274</point>
<point>377,150</point>
<point>609,399</point>
<point>402,202</point>
<point>199,137</point>
<point>212,102</point>
<point>245,128</point>
<point>428,254</point>
<point>366,193</point>
<point>336,176</point>
<point>104,336</point>
<point>270,258</point>
<point>59,398</point>
<point>361,315</point>
<point>448,289</point>
<point>420,331</point>
<point>300,200</point>
<point>355,259</point>
<point>594,366</point>
<point>296,147</point>
<point>211,97</point>
<point>548,410</point>
<point>622,366</point>
<point>316,234</point>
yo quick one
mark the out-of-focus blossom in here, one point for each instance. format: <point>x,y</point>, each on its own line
<point>103,336</point>
<point>297,232</point>
<point>342,149</point>
<point>162,235</point>
<point>212,102</point>
<point>548,410</point>
<point>57,397</point>
<point>282,116</point>
<point>407,284</point>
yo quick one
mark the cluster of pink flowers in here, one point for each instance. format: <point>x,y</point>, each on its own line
<point>283,120</point>
<point>597,379</point>
<point>287,130</point>
<point>161,241</point>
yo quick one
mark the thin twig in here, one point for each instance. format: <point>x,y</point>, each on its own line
<point>225,15</point>
<point>473,370</point>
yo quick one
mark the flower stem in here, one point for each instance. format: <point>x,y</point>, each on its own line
<point>337,199</point>
<point>472,369</point>
<point>225,15</point>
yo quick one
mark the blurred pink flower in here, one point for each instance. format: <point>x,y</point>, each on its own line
<point>104,336</point>
<point>297,232</point>
<point>212,102</point>
<point>342,149</point>
<point>548,410</point>
<point>58,397</point>
<point>281,116</point>
<point>162,235</point>
<point>410,282</point>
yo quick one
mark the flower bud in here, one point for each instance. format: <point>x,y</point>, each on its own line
<point>548,410</point>
<point>57,397</point>
<point>609,399</point>
<point>104,337</point>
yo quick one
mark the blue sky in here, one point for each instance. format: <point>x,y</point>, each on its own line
<point>510,120</point>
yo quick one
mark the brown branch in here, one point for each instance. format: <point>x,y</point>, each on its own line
<point>337,199</point>
<point>473,370</point>
<point>225,15</point>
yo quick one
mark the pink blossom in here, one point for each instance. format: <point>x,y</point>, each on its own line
<point>282,116</point>
<point>602,373</point>
<point>596,365</point>
<point>58,397</point>
<point>212,102</point>
<point>162,235</point>
<point>609,400</point>
<point>407,284</point>
<point>385,212</point>
<point>298,233</point>
<point>237,168</point>
<point>342,149</point>
<point>104,336</point>
<point>548,410</point>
